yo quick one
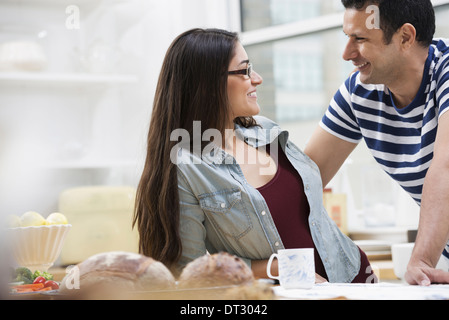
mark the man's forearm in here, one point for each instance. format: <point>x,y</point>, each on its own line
<point>433,230</point>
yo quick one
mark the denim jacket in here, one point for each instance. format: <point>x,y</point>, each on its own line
<point>221,211</point>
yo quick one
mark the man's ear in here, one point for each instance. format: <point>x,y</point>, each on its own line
<point>407,35</point>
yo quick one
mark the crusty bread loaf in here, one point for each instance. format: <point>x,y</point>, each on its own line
<point>221,269</point>
<point>118,272</point>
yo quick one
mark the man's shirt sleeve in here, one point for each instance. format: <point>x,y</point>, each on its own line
<point>339,119</point>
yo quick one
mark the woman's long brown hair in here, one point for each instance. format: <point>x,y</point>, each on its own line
<point>192,87</point>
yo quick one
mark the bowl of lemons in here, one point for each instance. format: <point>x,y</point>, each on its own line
<point>36,242</point>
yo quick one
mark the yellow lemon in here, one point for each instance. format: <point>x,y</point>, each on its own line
<point>32,219</point>
<point>14,221</point>
<point>57,218</point>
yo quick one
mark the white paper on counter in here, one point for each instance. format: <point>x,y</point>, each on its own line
<point>378,291</point>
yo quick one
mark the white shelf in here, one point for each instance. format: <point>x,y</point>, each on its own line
<point>92,164</point>
<point>20,78</point>
<point>60,2</point>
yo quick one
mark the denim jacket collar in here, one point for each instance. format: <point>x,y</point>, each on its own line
<point>255,137</point>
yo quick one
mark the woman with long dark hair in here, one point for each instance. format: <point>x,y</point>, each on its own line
<point>219,178</point>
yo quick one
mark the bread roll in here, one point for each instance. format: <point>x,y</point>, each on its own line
<point>221,269</point>
<point>116,273</point>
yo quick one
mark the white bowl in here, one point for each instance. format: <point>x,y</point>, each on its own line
<point>37,248</point>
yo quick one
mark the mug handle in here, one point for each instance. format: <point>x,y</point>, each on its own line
<point>270,261</point>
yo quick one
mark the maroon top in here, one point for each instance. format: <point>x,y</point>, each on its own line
<point>290,213</point>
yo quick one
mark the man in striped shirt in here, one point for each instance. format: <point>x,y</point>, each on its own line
<point>396,101</point>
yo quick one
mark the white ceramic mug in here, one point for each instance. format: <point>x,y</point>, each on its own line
<point>296,268</point>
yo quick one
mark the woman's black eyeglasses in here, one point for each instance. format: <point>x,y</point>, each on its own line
<point>246,72</point>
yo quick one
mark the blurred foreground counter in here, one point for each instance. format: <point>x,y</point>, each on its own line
<point>324,291</point>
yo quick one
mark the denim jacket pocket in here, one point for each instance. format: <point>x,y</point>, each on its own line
<point>227,212</point>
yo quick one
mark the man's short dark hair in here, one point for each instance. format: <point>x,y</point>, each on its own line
<point>395,13</point>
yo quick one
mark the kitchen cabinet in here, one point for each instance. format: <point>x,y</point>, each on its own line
<point>80,120</point>
<point>71,120</point>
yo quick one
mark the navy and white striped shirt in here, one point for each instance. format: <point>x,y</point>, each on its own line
<point>401,140</point>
